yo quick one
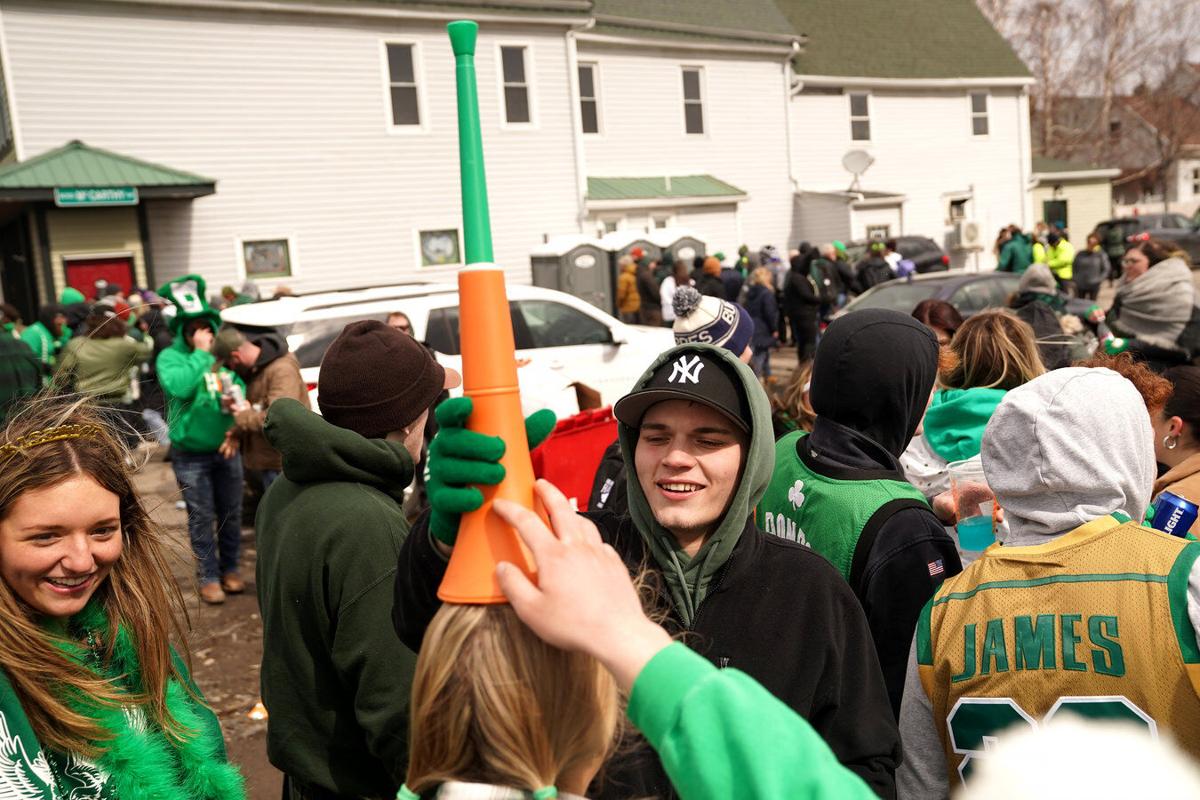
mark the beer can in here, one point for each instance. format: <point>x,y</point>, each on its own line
<point>1173,514</point>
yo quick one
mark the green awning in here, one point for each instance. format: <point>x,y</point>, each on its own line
<point>670,189</point>
<point>76,165</point>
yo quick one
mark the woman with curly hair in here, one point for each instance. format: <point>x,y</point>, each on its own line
<point>94,701</point>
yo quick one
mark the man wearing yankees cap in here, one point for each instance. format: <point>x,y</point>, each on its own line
<point>697,431</point>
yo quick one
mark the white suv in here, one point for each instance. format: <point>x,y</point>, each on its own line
<point>565,340</point>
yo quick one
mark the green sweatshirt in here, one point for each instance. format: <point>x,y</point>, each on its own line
<point>956,418</point>
<point>100,367</point>
<point>41,342</point>
<point>720,734</point>
<point>335,677</point>
<point>196,419</point>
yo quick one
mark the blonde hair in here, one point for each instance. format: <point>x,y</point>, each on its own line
<point>993,349</point>
<point>140,593</point>
<point>791,400</point>
<point>762,276</point>
<point>493,703</point>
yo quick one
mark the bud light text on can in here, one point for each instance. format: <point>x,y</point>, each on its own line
<point>1173,514</point>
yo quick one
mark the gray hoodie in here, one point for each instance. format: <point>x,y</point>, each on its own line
<point>1068,447</point>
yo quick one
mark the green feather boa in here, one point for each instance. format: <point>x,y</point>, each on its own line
<point>142,762</point>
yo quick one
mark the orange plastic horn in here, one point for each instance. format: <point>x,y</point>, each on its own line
<point>490,380</point>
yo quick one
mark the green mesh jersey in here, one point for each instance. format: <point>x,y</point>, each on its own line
<point>827,514</point>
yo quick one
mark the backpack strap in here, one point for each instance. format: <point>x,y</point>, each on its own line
<point>870,532</point>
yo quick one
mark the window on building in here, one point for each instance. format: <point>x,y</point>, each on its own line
<point>516,84</point>
<point>1114,126</point>
<point>267,258</point>
<point>1195,182</point>
<point>589,98</point>
<point>660,222</point>
<point>879,231</point>
<point>860,117</point>
<point>6,134</point>
<point>402,84</point>
<point>693,100</point>
<point>609,225</point>
<point>1055,213</point>
<point>958,209</point>
<point>440,247</point>
<point>979,113</point>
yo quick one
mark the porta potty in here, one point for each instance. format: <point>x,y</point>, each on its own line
<point>577,265</point>
<point>623,243</point>
<point>682,243</point>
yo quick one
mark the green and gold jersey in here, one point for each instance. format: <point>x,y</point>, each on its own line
<point>1094,622</point>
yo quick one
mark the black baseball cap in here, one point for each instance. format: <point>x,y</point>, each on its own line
<point>699,374</point>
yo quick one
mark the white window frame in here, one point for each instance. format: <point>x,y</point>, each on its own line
<point>886,228</point>
<point>530,86</point>
<point>595,68</point>
<point>418,77</point>
<point>973,115</point>
<point>462,252</point>
<point>1195,181</point>
<point>604,220</point>
<point>852,118</point>
<point>668,218</point>
<point>239,245</point>
<point>683,101</point>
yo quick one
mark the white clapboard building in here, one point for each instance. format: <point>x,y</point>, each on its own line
<point>313,143</point>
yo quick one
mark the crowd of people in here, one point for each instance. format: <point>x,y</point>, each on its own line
<point>774,590</point>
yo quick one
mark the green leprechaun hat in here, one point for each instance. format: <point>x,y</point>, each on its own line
<point>187,294</point>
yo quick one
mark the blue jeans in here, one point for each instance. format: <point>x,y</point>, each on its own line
<point>212,490</point>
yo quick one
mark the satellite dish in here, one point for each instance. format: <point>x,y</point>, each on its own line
<point>856,162</point>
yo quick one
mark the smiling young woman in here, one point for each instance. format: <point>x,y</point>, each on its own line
<point>94,701</point>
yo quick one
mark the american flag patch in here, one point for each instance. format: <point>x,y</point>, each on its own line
<point>936,568</point>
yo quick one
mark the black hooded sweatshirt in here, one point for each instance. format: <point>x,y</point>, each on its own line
<point>871,381</point>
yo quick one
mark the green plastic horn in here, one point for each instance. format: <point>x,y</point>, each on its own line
<point>489,363</point>
<point>477,223</point>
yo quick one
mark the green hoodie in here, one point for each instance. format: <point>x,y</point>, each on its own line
<point>196,419</point>
<point>956,418</point>
<point>335,677</point>
<point>689,577</point>
<point>70,296</point>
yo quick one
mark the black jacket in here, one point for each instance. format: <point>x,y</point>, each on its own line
<point>760,302</point>
<point>710,285</point>
<point>870,386</point>
<point>648,289</point>
<point>810,648</point>
<point>609,492</point>
<point>1090,268</point>
<point>872,270</point>
<point>799,294</point>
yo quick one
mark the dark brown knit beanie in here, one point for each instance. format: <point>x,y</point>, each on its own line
<point>376,379</point>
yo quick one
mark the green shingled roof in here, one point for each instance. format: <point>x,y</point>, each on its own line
<point>665,187</point>
<point>77,164</point>
<point>899,39</point>
<point>753,20</point>
<point>1049,166</point>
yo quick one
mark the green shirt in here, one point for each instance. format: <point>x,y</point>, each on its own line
<point>827,514</point>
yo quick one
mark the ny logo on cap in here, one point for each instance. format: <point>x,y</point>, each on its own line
<point>684,371</point>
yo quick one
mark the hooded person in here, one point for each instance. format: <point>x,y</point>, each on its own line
<point>1039,303</point>
<point>205,459</point>
<point>802,305</point>
<point>271,372</point>
<point>841,490</point>
<point>75,307</point>
<point>1079,609</point>
<point>697,428</point>
<point>700,320</point>
<point>328,531</point>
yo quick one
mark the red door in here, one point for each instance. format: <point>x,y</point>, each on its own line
<point>82,273</point>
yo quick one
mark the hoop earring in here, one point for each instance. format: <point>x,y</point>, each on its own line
<point>1170,442</point>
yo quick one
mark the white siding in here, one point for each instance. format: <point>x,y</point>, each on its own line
<point>289,114</point>
<point>1088,204</point>
<point>923,148</point>
<point>744,143</point>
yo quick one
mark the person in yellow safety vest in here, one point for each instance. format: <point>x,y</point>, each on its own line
<point>1058,255</point>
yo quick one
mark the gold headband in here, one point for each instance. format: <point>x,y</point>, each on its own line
<point>57,434</point>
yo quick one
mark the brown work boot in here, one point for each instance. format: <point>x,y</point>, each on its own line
<point>232,583</point>
<point>212,593</point>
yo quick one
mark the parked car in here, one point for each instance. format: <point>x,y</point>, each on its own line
<point>560,339</point>
<point>967,291</point>
<point>921,250</point>
<point>1117,234</point>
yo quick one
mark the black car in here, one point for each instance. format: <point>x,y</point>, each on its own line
<point>967,291</point>
<point>1117,234</point>
<point>921,250</point>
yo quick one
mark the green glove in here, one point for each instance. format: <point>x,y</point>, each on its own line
<point>1115,346</point>
<point>459,459</point>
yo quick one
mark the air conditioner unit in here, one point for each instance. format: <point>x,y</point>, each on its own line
<point>968,235</point>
